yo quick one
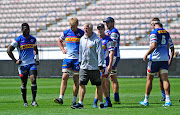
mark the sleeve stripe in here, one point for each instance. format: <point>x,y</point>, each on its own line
<point>153,34</point>
<point>153,39</point>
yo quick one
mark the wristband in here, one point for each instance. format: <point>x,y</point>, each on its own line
<point>37,57</point>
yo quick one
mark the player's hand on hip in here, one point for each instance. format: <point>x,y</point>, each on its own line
<point>169,64</point>
<point>101,70</point>
<point>109,68</point>
<point>37,62</point>
<point>64,51</point>
<point>145,57</point>
<point>107,34</point>
<point>18,62</point>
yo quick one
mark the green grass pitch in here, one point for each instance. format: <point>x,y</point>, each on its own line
<point>131,90</point>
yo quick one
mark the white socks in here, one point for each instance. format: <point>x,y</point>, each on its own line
<point>81,102</point>
<point>61,96</point>
<point>74,98</point>
<point>146,99</point>
<point>167,100</point>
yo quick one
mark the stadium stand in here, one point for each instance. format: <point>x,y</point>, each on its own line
<point>128,14</point>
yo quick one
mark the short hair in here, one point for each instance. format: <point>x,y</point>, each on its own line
<point>73,21</point>
<point>100,26</point>
<point>25,24</point>
<point>89,25</point>
<point>161,25</point>
<point>155,19</point>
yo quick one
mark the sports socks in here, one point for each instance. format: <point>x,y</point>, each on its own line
<point>81,102</point>
<point>116,97</point>
<point>146,99</point>
<point>107,99</point>
<point>74,99</point>
<point>61,96</point>
<point>23,92</point>
<point>167,100</point>
<point>163,93</point>
<point>95,101</point>
<point>34,91</point>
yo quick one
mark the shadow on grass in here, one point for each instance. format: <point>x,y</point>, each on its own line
<point>139,106</point>
<point>60,105</point>
<point>9,101</point>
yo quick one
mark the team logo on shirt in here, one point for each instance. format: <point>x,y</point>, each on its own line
<point>103,41</point>
<point>77,67</point>
<point>78,34</point>
<point>32,40</point>
<point>68,33</point>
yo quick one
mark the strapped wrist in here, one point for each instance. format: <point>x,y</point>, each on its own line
<point>37,57</point>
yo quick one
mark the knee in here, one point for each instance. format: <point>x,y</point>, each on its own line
<point>114,79</point>
<point>76,78</point>
<point>150,78</point>
<point>76,82</point>
<point>165,79</point>
<point>33,79</point>
<point>82,87</point>
<point>65,78</point>
<point>23,85</point>
<point>111,78</point>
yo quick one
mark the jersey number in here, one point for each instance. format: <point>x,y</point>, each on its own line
<point>163,41</point>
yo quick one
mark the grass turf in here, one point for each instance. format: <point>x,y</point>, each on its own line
<point>131,90</point>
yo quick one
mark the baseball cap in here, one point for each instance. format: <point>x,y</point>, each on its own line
<point>100,26</point>
<point>109,19</point>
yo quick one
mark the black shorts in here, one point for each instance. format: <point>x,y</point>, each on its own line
<point>92,75</point>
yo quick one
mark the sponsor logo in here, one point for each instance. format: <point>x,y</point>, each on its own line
<point>26,46</point>
<point>148,70</point>
<point>73,39</point>
<point>104,47</point>
<point>24,71</point>
<point>64,65</point>
<point>162,31</point>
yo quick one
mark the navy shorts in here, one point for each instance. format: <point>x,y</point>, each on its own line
<point>155,66</point>
<point>115,64</point>
<point>26,70</point>
<point>71,63</point>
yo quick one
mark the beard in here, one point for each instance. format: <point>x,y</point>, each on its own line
<point>26,33</point>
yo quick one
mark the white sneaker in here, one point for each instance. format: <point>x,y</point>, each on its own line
<point>143,103</point>
<point>34,103</point>
<point>167,104</point>
<point>25,104</point>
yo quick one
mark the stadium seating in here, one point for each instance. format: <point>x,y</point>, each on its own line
<point>127,14</point>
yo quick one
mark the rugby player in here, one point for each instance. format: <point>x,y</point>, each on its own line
<point>27,48</point>
<point>70,63</point>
